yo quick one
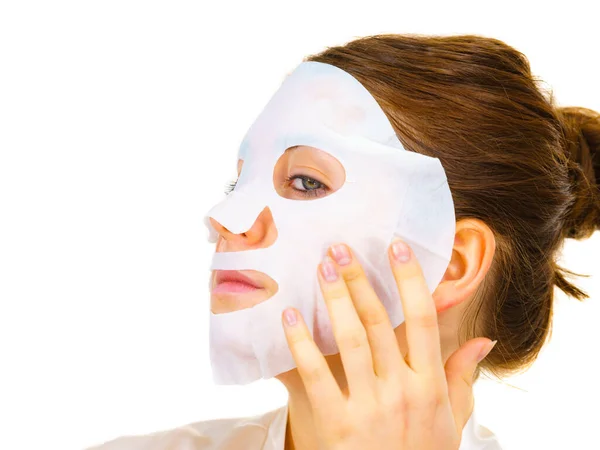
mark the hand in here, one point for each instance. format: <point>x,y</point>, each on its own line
<point>391,403</point>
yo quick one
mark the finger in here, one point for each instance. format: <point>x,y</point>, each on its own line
<point>422,332</point>
<point>322,390</point>
<point>387,358</point>
<point>460,370</point>
<point>349,333</point>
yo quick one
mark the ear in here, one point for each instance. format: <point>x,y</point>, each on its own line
<point>472,254</point>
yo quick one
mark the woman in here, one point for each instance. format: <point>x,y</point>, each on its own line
<point>523,177</point>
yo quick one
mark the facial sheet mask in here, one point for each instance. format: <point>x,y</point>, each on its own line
<point>388,191</point>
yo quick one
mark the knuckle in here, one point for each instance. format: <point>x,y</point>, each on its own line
<point>371,418</point>
<point>432,398</point>
<point>424,319</point>
<point>353,273</point>
<point>342,431</point>
<point>420,393</point>
<point>396,405</point>
<point>374,315</point>
<point>352,340</point>
<point>296,341</point>
<point>313,375</point>
<point>297,338</point>
<point>411,270</point>
<point>413,396</point>
<point>334,294</point>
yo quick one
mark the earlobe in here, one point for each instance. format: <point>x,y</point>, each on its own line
<point>472,254</point>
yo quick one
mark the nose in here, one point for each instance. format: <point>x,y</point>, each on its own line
<point>261,234</point>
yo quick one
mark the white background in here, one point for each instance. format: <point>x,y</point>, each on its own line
<point>119,127</point>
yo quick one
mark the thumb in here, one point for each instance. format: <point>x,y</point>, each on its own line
<point>460,369</point>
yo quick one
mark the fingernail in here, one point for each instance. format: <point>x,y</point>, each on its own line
<point>400,251</point>
<point>341,254</point>
<point>485,350</point>
<point>328,269</point>
<point>290,317</point>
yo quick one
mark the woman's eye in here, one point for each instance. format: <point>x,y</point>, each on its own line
<point>307,186</point>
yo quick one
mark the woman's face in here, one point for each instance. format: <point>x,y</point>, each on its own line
<point>302,173</point>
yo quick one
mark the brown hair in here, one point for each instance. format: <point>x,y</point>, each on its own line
<point>513,159</point>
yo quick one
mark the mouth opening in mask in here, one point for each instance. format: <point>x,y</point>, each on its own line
<point>233,290</point>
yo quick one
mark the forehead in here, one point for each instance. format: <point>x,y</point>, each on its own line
<point>313,100</point>
<point>291,150</point>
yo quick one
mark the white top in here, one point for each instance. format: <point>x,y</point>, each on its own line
<point>261,432</point>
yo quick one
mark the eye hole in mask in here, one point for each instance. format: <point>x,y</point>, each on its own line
<point>307,173</point>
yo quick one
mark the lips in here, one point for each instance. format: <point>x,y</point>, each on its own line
<point>233,281</point>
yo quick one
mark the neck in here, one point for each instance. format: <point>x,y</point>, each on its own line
<point>301,433</point>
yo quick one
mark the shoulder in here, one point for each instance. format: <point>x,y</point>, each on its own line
<point>204,435</point>
<point>177,438</point>
<point>477,437</point>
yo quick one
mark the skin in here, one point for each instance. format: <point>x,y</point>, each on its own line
<point>403,388</point>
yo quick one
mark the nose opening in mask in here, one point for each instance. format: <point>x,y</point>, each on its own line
<point>243,221</point>
<point>262,234</point>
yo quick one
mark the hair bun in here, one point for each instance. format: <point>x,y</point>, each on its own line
<point>581,128</point>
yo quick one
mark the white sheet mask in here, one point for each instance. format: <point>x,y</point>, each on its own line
<point>387,191</point>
